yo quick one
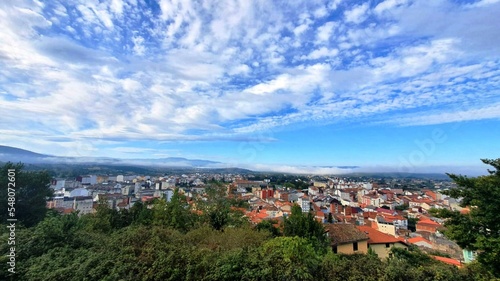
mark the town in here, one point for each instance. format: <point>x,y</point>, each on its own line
<point>359,214</point>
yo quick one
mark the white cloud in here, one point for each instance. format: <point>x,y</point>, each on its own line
<point>305,170</point>
<point>222,69</point>
<point>357,14</point>
<point>388,5</point>
<point>139,48</point>
<point>300,29</point>
<point>333,5</point>
<point>325,31</point>
<point>117,7</point>
<point>240,69</point>
<point>131,85</point>
<point>469,114</point>
<point>483,3</point>
<point>416,60</point>
<point>321,53</point>
<point>320,12</point>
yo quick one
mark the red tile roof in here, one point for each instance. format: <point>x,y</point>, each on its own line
<point>428,222</point>
<point>418,239</point>
<point>377,237</point>
<point>448,261</point>
<point>465,211</point>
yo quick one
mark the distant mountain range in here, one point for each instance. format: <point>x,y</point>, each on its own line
<point>13,154</point>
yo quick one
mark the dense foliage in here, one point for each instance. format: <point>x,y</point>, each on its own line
<point>200,240</point>
<point>479,229</point>
<point>31,192</point>
<point>68,247</point>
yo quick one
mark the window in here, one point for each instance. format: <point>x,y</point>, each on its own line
<point>355,246</point>
<point>387,245</point>
<point>334,249</point>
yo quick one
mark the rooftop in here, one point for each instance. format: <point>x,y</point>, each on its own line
<point>377,237</point>
<point>345,233</point>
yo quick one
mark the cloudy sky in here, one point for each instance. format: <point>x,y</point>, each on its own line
<point>291,86</point>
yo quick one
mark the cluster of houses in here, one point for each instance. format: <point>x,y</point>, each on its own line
<point>357,215</point>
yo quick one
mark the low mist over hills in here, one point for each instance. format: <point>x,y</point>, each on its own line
<point>44,161</point>
<point>13,154</point>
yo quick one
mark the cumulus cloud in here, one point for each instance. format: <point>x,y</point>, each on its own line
<point>357,14</point>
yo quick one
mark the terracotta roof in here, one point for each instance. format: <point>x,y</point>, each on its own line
<point>68,210</point>
<point>448,260</point>
<point>377,237</point>
<point>344,233</point>
<point>391,218</point>
<point>371,215</point>
<point>428,222</point>
<point>465,211</point>
<point>384,211</point>
<point>386,191</point>
<point>418,239</point>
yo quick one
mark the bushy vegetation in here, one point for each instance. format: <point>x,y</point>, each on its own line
<point>68,247</point>
<point>479,229</point>
<point>146,244</point>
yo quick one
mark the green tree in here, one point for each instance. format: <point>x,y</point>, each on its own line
<point>141,214</point>
<point>479,230</point>
<point>176,213</point>
<point>350,267</point>
<point>288,258</point>
<point>267,225</point>
<point>306,226</point>
<point>31,192</point>
<point>104,219</point>
<point>216,207</point>
<point>402,207</point>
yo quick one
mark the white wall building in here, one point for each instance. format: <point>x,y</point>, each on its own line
<point>304,204</point>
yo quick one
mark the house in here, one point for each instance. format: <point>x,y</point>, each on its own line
<point>281,194</point>
<point>320,184</point>
<point>420,242</point>
<point>431,194</point>
<point>58,183</point>
<point>248,184</point>
<point>427,225</point>
<point>82,204</point>
<point>384,226</point>
<point>265,193</point>
<point>304,204</point>
<point>347,239</point>
<point>381,243</point>
<point>469,255</point>
<point>335,206</point>
<point>397,220</point>
<point>371,199</point>
<point>313,190</point>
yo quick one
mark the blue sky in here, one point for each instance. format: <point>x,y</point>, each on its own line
<point>299,86</point>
